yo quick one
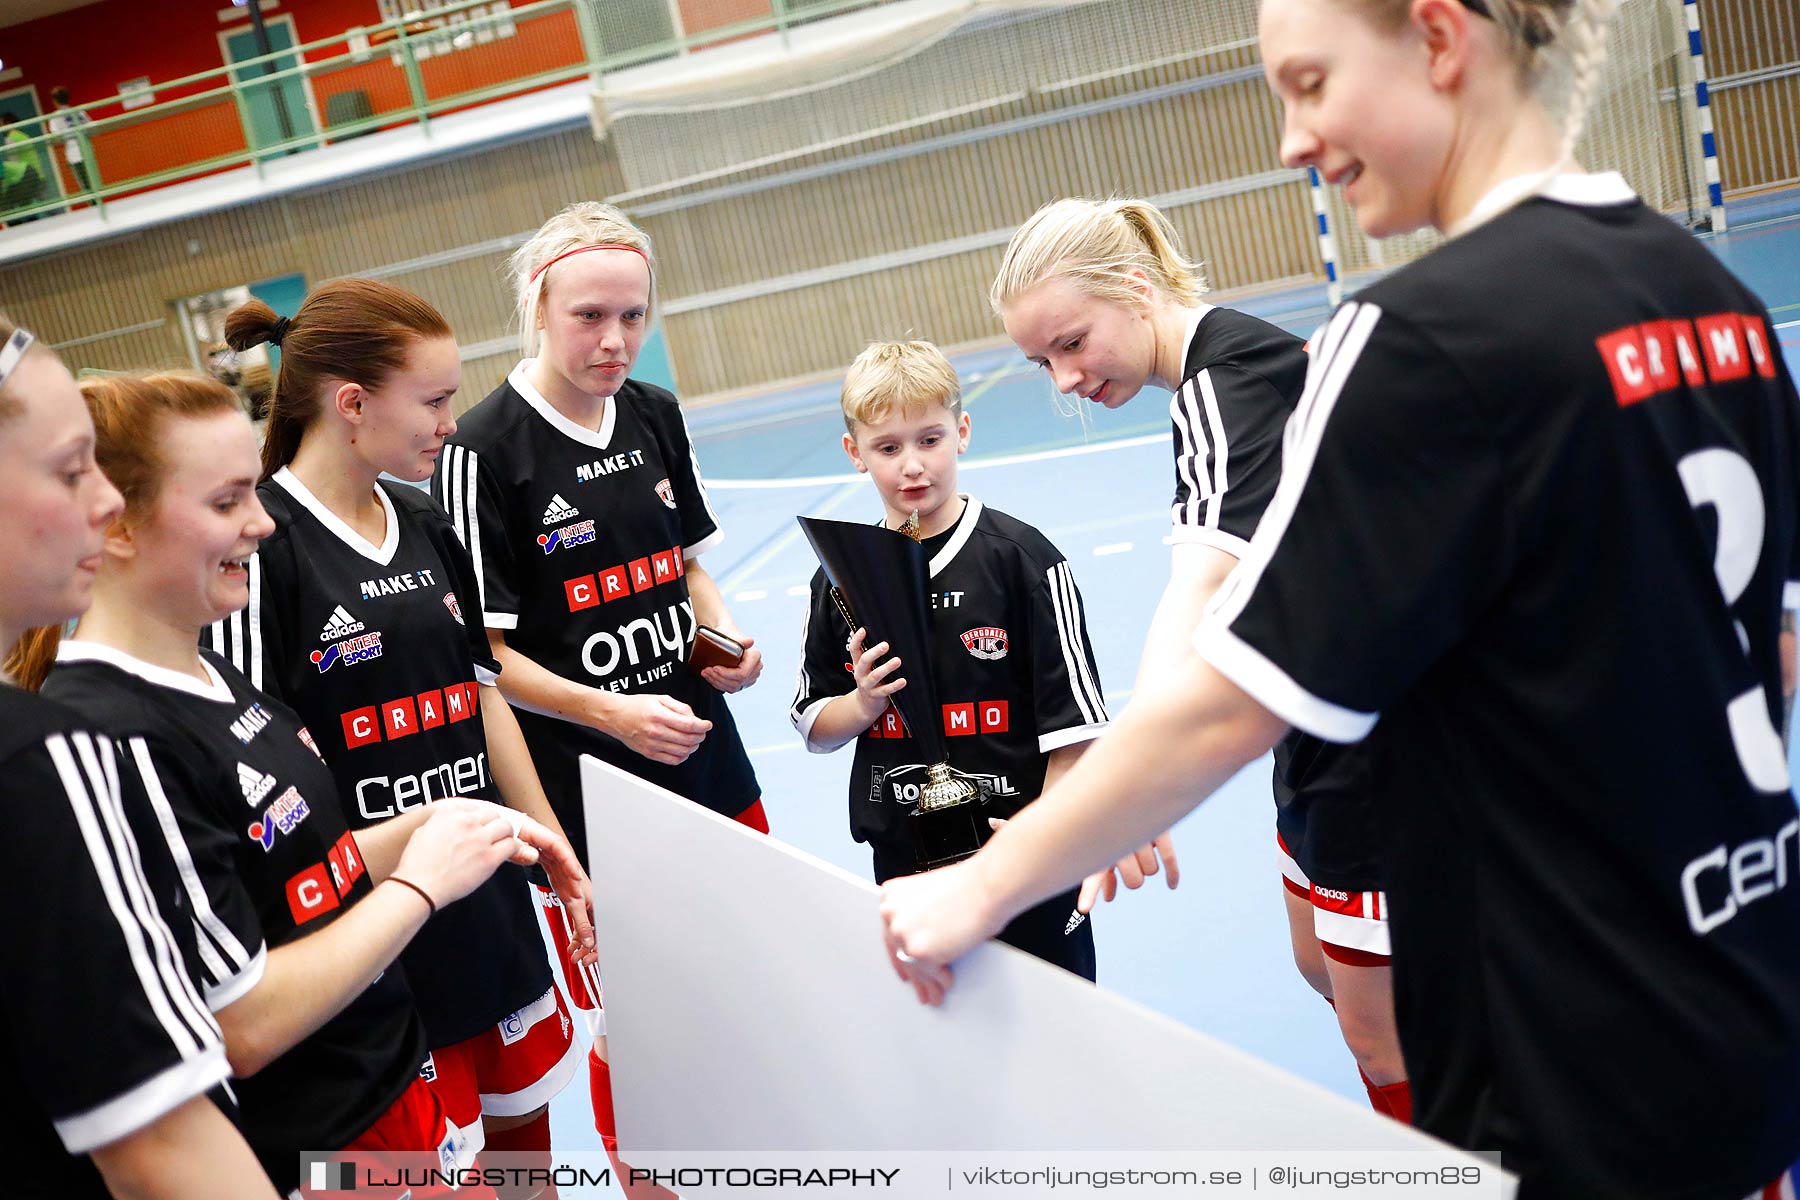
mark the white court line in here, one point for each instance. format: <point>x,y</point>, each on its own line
<point>1005,460</point>
<point>1789,325</point>
<point>752,594</point>
<point>749,569</point>
<point>799,589</point>
<point>1112,548</point>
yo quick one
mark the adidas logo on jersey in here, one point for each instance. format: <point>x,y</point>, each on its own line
<point>256,785</point>
<point>560,510</point>
<point>340,626</point>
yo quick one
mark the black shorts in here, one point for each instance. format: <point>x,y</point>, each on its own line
<point>1325,811</point>
<point>717,776</point>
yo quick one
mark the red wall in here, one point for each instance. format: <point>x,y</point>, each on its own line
<point>92,50</point>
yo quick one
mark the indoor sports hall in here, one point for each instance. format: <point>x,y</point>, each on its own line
<point>815,174</point>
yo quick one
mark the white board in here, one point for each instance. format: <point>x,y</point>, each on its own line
<point>749,1006</point>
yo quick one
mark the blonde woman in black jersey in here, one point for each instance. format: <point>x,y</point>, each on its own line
<point>1100,295</point>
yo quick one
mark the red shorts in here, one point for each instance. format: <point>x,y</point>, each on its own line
<point>1782,1189</point>
<point>413,1124</point>
<point>583,983</point>
<point>1352,927</point>
<point>510,1070</point>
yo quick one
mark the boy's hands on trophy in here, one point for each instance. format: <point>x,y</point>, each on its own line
<point>875,679</point>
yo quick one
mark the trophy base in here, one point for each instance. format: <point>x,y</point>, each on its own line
<point>946,835</point>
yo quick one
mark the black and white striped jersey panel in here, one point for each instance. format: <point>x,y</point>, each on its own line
<point>232,968</point>
<point>238,638</point>
<point>148,1021</point>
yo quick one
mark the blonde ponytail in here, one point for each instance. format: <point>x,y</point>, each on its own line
<point>1106,248</point>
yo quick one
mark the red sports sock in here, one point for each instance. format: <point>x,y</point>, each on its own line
<point>1377,1100</point>
<point>600,1090</point>
<point>1398,1097</point>
<point>600,1093</point>
<point>532,1139</point>
<point>754,817</point>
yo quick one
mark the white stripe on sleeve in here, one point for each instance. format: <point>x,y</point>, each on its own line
<point>102,769</point>
<point>1215,424</point>
<point>206,921</point>
<point>253,619</point>
<point>1187,460</point>
<point>471,469</point>
<point>107,874</point>
<point>699,483</point>
<point>1067,606</point>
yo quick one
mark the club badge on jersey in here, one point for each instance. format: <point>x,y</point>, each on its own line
<point>986,642</point>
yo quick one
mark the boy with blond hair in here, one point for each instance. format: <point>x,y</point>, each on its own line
<point>1015,675</point>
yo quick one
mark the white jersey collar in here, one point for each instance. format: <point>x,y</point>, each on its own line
<point>965,528</point>
<point>609,417</point>
<point>80,650</point>
<point>390,541</point>
<point>1587,191</point>
<point>1194,316</point>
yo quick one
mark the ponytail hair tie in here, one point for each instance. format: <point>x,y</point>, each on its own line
<point>278,331</point>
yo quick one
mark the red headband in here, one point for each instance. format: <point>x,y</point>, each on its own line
<point>584,250</point>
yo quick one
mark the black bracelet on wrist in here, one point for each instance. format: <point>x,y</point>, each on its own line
<point>423,894</point>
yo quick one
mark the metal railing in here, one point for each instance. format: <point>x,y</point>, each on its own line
<point>253,111</point>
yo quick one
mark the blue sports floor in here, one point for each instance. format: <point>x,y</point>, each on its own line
<point>1213,954</point>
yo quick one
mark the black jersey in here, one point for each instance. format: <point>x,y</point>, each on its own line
<point>1539,504</point>
<point>106,1032</point>
<point>1012,665</point>
<point>581,541</point>
<point>270,858</point>
<point>1242,379</point>
<point>377,651</point>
